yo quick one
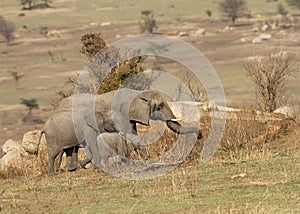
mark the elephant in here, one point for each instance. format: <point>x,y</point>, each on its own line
<point>117,147</point>
<point>81,118</point>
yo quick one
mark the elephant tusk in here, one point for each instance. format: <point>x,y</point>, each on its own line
<point>175,120</point>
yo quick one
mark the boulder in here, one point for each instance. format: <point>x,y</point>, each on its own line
<point>198,33</point>
<point>30,141</point>
<point>183,34</point>
<point>262,37</point>
<point>11,159</point>
<point>286,111</point>
<point>247,39</point>
<point>185,111</point>
<point>10,145</point>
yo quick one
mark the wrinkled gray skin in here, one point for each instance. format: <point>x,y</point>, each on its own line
<point>115,144</point>
<point>1,152</point>
<point>107,116</point>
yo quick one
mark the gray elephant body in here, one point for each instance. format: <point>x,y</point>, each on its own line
<point>79,119</point>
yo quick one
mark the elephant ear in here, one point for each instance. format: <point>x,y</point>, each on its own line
<point>139,111</point>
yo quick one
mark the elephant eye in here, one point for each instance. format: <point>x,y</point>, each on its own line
<point>160,106</point>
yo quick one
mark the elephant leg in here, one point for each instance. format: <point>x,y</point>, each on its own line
<point>58,160</point>
<point>84,162</point>
<point>72,160</point>
<point>52,154</point>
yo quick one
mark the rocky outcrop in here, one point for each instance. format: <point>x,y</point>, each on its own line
<point>30,141</point>
<point>11,145</point>
<point>19,155</point>
<point>286,111</point>
<point>14,156</point>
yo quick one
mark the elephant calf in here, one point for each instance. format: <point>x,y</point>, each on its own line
<point>112,144</point>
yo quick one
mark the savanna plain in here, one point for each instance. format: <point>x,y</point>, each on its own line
<point>254,170</point>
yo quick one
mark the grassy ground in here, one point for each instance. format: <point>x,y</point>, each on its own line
<point>269,185</point>
<point>271,181</point>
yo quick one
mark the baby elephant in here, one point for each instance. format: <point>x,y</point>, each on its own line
<point>108,146</point>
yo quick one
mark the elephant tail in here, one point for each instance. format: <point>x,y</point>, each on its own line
<point>38,146</point>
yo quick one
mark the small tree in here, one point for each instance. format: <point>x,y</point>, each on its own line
<point>148,22</point>
<point>233,8</point>
<point>7,29</point>
<point>16,77</point>
<point>32,3</point>
<point>209,13</point>
<point>294,3</point>
<point>30,104</point>
<point>269,72</point>
<point>281,10</point>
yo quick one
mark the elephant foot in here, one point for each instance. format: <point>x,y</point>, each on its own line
<point>83,163</point>
<point>72,163</point>
<point>50,173</point>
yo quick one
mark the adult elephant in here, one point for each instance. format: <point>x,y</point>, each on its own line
<point>79,119</point>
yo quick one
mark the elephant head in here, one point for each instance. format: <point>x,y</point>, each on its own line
<point>152,105</point>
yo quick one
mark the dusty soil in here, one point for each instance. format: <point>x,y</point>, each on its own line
<point>45,76</point>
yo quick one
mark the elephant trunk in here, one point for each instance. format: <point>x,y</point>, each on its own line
<point>176,127</point>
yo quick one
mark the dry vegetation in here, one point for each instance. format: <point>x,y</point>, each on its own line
<point>256,167</point>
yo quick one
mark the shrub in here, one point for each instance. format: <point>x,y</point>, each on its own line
<point>148,23</point>
<point>281,10</point>
<point>269,72</point>
<point>209,13</point>
<point>233,8</point>
<point>7,29</point>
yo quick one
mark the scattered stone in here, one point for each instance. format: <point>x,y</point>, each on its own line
<point>265,28</point>
<point>185,111</point>
<point>10,145</point>
<point>172,33</point>
<point>198,33</point>
<point>183,33</point>
<point>262,37</point>
<point>247,39</point>
<point>11,159</point>
<point>286,111</point>
<point>30,141</point>
<point>105,23</point>
<point>53,33</point>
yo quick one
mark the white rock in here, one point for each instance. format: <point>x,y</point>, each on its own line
<point>262,37</point>
<point>183,33</point>
<point>185,111</point>
<point>199,32</point>
<point>105,23</point>
<point>286,111</point>
<point>30,141</point>
<point>10,145</point>
<point>11,159</point>
<point>247,39</point>
<point>265,27</point>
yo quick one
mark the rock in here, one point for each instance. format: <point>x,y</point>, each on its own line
<point>14,159</point>
<point>105,23</point>
<point>265,28</point>
<point>54,33</point>
<point>247,39</point>
<point>199,32</point>
<point>185,111</point>
<point>183,33</point>
<point>10,145</point>
<point>262,37</point>
<point>11,159</point>
<point>286,111</point>
<point>172,33</point>
<point>30,141</point>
